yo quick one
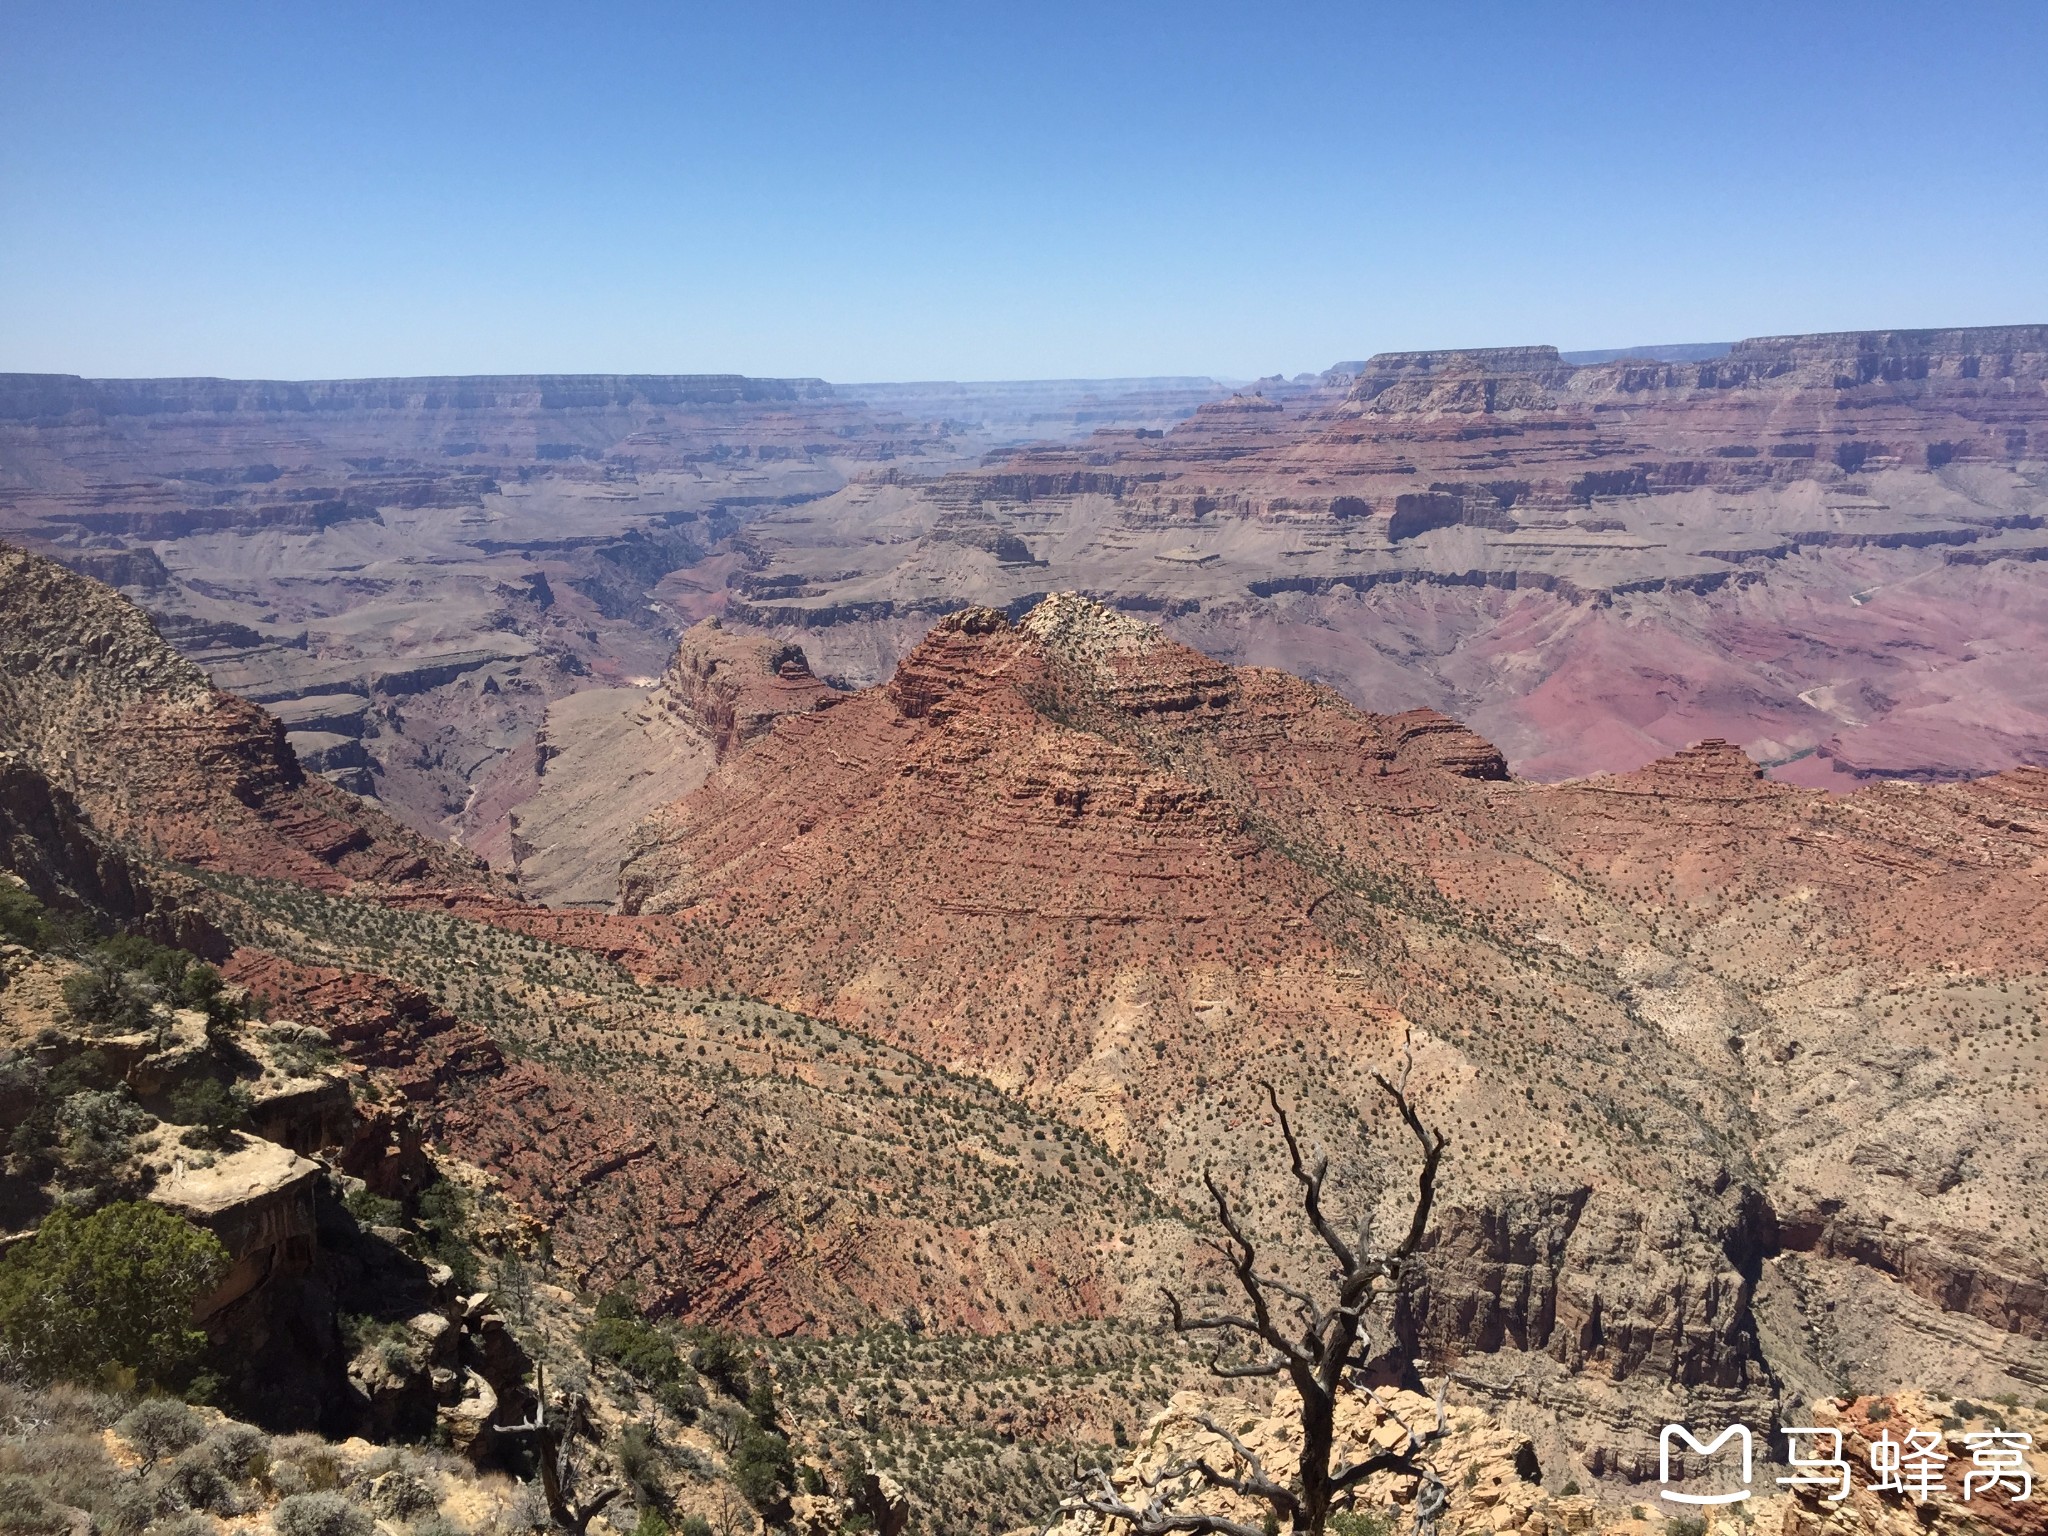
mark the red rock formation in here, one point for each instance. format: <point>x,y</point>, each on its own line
<point>730,689</point>
<point>1820,547</point>
<point>416,1045</point>
<point>1086,861</point>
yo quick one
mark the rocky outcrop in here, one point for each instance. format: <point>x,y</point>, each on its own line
<point>1494,1480</point>
<point>1492,1476</point>
<point>730,688</point>
<point>416,1046</point>
<point>258,1200</point>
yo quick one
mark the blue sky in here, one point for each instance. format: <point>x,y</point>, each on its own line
<point>867,191</point>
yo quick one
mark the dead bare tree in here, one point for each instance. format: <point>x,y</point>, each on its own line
<point>554,1439</point>
<point>1317,1345</point>
<point>732,1515</point>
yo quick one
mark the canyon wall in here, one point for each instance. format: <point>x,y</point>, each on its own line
<point>1824,548</point>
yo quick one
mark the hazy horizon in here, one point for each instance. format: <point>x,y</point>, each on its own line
<point>913,194</point>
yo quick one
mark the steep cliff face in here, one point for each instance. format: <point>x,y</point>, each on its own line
<point>153,755</point>
<point>48,844</point>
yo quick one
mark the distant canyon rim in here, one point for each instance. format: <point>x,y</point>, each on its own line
<point>460,595</point>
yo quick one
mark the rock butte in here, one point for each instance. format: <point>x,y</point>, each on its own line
<point>1679,1019</point>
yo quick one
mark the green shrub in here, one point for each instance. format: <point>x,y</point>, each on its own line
<point>22,917</point>
<point>374,1210</point>
<point>761,1403</point>
<point>401,1495</point>
<point>444,1219</point>
<point>762,1468</point>
<point>639,1459</point>
<point>722,1360</point>
<point>107,996</point>
<point>97,1131</point>
<point>241,1450</point>
<point>113,1288</point>
<point>174,977</point>
<point>645,1353</point>
<point>215,1112</point>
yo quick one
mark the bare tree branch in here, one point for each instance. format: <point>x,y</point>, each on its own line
<point>1332,1342</point>
<point>1311,1181</point>
<point>552,1440</point>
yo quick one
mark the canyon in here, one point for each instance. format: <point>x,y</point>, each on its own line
<point>1725,1059</point>
<point>930,1004</point>
<point>407,572</point>
<point>1823,548</point>
<point>840,863</point>
<point>1820,547</point>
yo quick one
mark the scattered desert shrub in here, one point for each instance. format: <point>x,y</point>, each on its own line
<point>323,1513</point>
<point>113,1288</point>
<point>300,1049</point>
<point>401,1495</point>
<point>304,1464</point>
<point>23,919</point>
<point>160,1427</point>
<point>619,1334</point>
<point>107,996</point>
<point>528,1511</point>
<point>639,1457</point>
<point>97,1130</point>
<point>24,1511</point>
<point>67,1466</point>
<point>722,1360</point>
<point>240,1450</point>
<point>444,1219</point>
<point>199,1482</point>
<point>761,1466</point>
